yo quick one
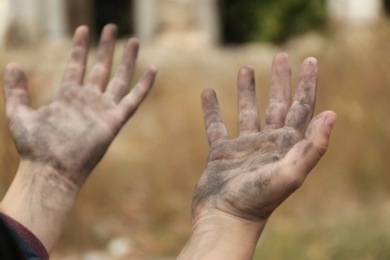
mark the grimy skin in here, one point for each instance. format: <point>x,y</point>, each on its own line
<point>59,144</point>
<point>248,177</point>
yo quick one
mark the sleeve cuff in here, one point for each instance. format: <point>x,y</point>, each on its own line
<point>27,236</point>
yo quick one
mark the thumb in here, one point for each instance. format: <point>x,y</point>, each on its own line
<point>305,154</point>
<point>15,88</point>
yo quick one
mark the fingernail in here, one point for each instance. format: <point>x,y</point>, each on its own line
<point>330,120</point>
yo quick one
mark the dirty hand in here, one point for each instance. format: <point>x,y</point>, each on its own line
<point>60,143</point>
<point>246,178</point>
<point>72,133</point>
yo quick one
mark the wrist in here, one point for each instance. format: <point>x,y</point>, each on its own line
<point>40,199</point>
<point>36,177</point>
<point>218,235</point>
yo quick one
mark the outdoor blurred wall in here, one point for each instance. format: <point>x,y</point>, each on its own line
<point>138,198</point>
<point>208,21</point>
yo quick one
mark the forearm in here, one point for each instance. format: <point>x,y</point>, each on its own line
<point>222,236</point>
<point>40,199</point>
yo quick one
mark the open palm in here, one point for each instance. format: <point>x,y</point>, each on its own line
<point>249,176</point>
<point>72,133</point>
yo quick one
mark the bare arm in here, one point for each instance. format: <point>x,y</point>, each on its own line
<point>248,177</point>
<point>60,144</point>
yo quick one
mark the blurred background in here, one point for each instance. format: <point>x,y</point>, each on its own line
<point>136,204</point>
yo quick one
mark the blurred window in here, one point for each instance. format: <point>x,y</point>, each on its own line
<point>97,13</point>
<point>386,5</point>
<point>114,11</point>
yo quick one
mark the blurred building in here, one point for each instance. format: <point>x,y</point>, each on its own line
<point>186,23</point>
<point>357,12</point>
<point>29,20</point>
<point>166,21</point>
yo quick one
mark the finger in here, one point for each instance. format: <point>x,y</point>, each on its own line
<point>15,88</point>
<point>74,71</point>
<point>117,87</point>
<point>305,154</point>
<point>279,96</point>
<point>302,109</point>
<point>130,103</point>
<point>248,115</point>
<point>215,127</point>
<point>101,70</point>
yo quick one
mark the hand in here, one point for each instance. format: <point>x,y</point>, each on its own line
<point>59,144</point>
<point>72,133</point>
<point>246,178</point>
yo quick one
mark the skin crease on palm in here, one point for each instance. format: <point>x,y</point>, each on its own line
<point>249,176</point>
<point>89,113</point>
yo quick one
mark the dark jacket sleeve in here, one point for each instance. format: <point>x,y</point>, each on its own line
<point>27,243</point>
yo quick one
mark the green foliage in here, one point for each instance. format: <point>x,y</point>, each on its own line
<point>270,20</point>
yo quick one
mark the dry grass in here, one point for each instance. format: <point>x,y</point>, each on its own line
<point>142,188</point>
